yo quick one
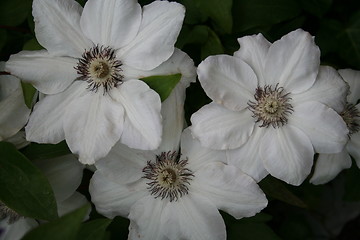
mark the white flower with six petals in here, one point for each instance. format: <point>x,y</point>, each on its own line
<point>90,72</point>
<point>270,108</point>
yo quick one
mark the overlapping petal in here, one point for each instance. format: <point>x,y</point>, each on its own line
<point>111,23</point>
<point>324,127</point>
<point>293,62</point>
<point>154,43</point>
<point>328,166</point>
<point>329,89</point>
<point>145,218</point>
<point>14,112</point>
<point>64,174</point>
<point>219,128</point>
<point>46,121</point>
<point>253,51</point>
<point>287,154</point>
<point>93,123</point>
<point>353,147</point>
<point>198,155</point>
<point>229,189</point>
<point>124,165</point>
<point>352,77</point>
<point>247,157</point>
<point>113,199</point>
<point>57,27</point>
<point>228,81</point>
<point>192,217</point>
<point>48,74</point>
<point>142,120</point>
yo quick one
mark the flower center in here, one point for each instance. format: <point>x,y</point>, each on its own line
<point>7,212</point>
<point>100,68</point>
<point>168,176</point>
<point>351,117</point>
<point>271,106</point>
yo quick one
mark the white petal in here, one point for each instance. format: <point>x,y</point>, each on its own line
<point>111,23</point>
<point>287,154</point>
<point>48,74</point>
<point>229,189</point>
<point>219,128</point>
<point>57,27</point>
<point>16,230</point>
<point>328,166</point>
<point>352,77</point>
<point>228,81</point>
<point>70,204</point>
<point>112,199</point>
<point>46,121</point>
<point>198,155</point>
<point>293,62</point>
<point>179,62</point>
<point>325,128</point>
<point>142,126</point>
<point>19,139</point>
<point>123,164</point>
<point>14,112</point>
<point>353,147</point>
<point>154,43</point>
<point>145,219</point>
<point>64,174</point>
<point>253,51</point>
<point>247,158</point>
<point>93,123</point>
<point>172,112</point>
<point>192,217</point>
<point>329,89</point>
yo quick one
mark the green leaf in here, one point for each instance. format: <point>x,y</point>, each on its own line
<point>251,231</point>
<point>66,227</point>
<point>277,189</point>
<point>349,41</point>
<point>193,14</point>
<point>36,151</point>
<point>316,7</point>
<point>94,230</point>
<point>255,13</point>
<point>212,46</point>
<point>163,85</point>
<point>219,12</point>
<point>32,44</point>
<point>196,35</point>
<point>352,176</point>
<point>14,12</point>
<point>29,93</point>
<point>23,187</point>
<point>3,38</point>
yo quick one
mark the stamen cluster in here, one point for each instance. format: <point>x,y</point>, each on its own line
<point>99,67</point>
<point>351,117</point>
<point>169,177</point>
<point>272,106</point>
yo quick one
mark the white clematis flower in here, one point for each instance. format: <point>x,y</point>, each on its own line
<point>64,175</point>
<point>171,196</point>
<point>270,106</point>
<point>92,101</point>
<point>328,166</point>
<point>14,112</point>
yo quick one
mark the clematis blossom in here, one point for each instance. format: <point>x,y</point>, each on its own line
<point>328,166</point>
<point>90,70</point>
<point>270,106</point>
<point>171,195</point>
